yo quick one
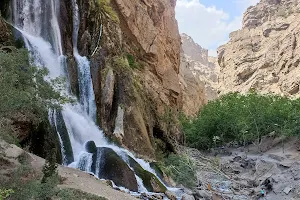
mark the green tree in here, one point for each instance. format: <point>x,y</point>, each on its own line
<point>243,119</point>
<point>23,86</point>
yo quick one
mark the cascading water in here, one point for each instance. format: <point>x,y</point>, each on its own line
<point>87,98</point>
<point>37,20</point>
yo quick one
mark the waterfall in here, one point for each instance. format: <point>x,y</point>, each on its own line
<point>37,21</point>
<point>86,92</point>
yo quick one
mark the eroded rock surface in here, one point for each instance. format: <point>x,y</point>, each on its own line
<point>264,54</point>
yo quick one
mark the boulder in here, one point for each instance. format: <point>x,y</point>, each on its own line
<point>90,147</point>
<point>170,195</point>
<point>112,167</point>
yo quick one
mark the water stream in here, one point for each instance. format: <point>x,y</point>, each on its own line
<point>37,20</point>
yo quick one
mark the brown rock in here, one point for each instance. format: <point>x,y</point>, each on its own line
<point>264,55</point>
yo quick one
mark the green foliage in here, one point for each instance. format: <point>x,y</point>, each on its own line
<point>23,87</point>
<point>132,63</point>
<point>6,132</point>
<point>104,6</point>
<point>243,119</point>
<point>181,169</point>
<point>4,193</point>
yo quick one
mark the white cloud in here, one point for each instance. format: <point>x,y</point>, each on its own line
<point>208,26</point>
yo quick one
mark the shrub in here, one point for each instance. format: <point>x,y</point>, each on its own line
<point>181,169</point>
<point>243,119</point>
<point>105,7</point>
<point>4,193</point>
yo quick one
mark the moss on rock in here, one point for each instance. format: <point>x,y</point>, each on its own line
<point>150,181</point>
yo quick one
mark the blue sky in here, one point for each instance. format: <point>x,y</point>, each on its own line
<point>209,22</point>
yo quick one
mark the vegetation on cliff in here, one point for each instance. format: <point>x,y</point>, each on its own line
<point>106,8</point>
<point>24,91</point>
<point>242,119</point>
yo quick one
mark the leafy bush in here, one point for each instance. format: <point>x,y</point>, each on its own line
<point>181,169</point>
<point>243,119</point>
<point>4,193</point>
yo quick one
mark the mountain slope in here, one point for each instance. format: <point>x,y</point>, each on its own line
<point>199,75</point>
<point>264,54</point>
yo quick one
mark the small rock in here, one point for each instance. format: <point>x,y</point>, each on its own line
<point>170,195</point>
<point>187,197</point>
<point>287,190</point>
<point>202,194</point>
<point>152,196</point>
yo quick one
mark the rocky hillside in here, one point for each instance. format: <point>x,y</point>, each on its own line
<point>199,75</point>
<point>264,54</point>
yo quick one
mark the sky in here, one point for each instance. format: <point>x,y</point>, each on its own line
<point>209,22</point>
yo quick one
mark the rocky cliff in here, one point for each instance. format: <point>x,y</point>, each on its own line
<point>199,76</point>
<point>134,70</point>
<point>264,54</point>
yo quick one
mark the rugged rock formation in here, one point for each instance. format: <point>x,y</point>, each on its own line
<point>264,55</point>
<point>145,33</point>
<point>199,76</point>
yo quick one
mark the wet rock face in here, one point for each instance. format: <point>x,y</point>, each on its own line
<point>264,55</point>
<point>150,181</point>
